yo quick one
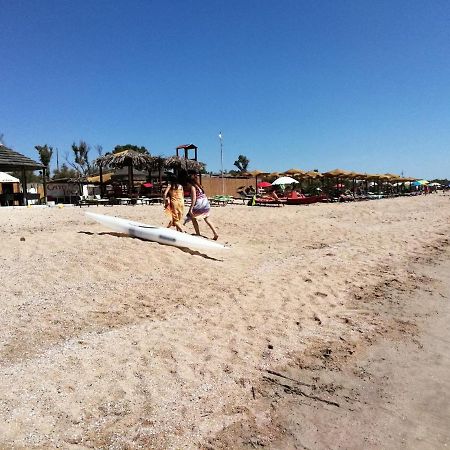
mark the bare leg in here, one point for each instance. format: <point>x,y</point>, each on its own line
<point>196,228</point>
<point>178,226</point>
<point>210,225</point>
<point>169,225</point>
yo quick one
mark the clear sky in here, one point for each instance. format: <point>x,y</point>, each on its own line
<point>319,84</point>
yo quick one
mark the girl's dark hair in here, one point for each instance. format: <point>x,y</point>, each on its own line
<point>193,182</point>
<point>182,177</point>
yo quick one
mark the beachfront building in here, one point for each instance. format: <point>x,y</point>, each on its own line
<point>9,187</point>
<point>11,160</point>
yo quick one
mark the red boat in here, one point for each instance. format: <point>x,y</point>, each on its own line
<point>307,200</point>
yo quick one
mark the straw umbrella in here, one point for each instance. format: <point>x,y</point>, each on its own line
<point>336,173</point>
<point>256,174</point>
<point>294,172</point>
<point>273,175</point>
<point>126,158</point>
<point>179,163</point>
<point>312,175</point>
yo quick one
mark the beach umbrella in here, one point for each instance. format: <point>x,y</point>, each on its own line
<point>6,178</point>
<point>263,184</point>
<point>256,174</point>
<point>312,174</point>
<point>297,172</point>
<point>147,185</point>
<point>434,184</point>
<point>392,176</point>
<point>273,175</point>
<point>336,173</point>
<point>420,182</point>
<point>284,180</point>
<point>179,163</point>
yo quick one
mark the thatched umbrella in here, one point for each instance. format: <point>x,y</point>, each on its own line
<point>126,158</point>
<point>294,172</point>
<point>312,175</point>
<point>336,173</point>
<point>272,175</point>
<point>179,163</point>
<point>256,174</point>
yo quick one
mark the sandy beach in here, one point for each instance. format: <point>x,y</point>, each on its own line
<point>324,326</point>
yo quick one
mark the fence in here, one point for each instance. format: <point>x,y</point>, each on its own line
<point>213,185</point>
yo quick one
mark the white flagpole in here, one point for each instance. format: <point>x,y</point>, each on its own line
<point>221,162</point>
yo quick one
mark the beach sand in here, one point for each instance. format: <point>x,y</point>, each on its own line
<point>324,326</point>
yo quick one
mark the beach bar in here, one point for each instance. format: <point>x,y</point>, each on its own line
<point>11,160</point>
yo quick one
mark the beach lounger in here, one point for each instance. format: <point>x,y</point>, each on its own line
<point>268,202</point>
<point>220,200</point>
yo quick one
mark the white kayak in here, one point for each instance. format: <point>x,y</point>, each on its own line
<point>156,234</point>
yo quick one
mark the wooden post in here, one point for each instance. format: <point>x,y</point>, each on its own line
<point>24,183</point>
<point>130,180</point>
<point>101,180</point>
<point>44,182</point>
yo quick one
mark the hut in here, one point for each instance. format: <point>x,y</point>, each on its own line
<point>11,160</point>
<point>127,158</point>
<point>9,186</point>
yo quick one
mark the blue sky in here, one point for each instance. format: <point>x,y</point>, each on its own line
<point>360,85</point>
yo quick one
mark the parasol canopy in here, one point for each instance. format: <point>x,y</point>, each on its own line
<point>264,184</point>
<point>313,174</point>
<point>6,178</point>
<point>338,173</point>
<point>420,183</point>
<point>284,180</point>
<point>295,172</point>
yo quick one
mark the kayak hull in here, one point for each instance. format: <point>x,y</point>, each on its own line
<point>155,234</point>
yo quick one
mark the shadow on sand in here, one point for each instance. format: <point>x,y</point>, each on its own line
<point>124,235</point>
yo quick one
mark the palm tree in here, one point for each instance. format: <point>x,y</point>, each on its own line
<point>242,163</point>
<point>45,156</point>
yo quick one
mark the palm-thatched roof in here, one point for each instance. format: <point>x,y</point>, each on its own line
<point>255,173</point>
<point>312,174</point>
<point>125,158</point>
<point>12,160</point>
<point>295,172</point>
<point>341,173</point>
<point>177,162</point>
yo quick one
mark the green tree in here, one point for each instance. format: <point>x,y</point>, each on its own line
<point>81,161</point>
<point>64,172</point>
<point>242,163</point>
<point>32,177</point>
<point>45,156</point>
<point>121,148</point>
